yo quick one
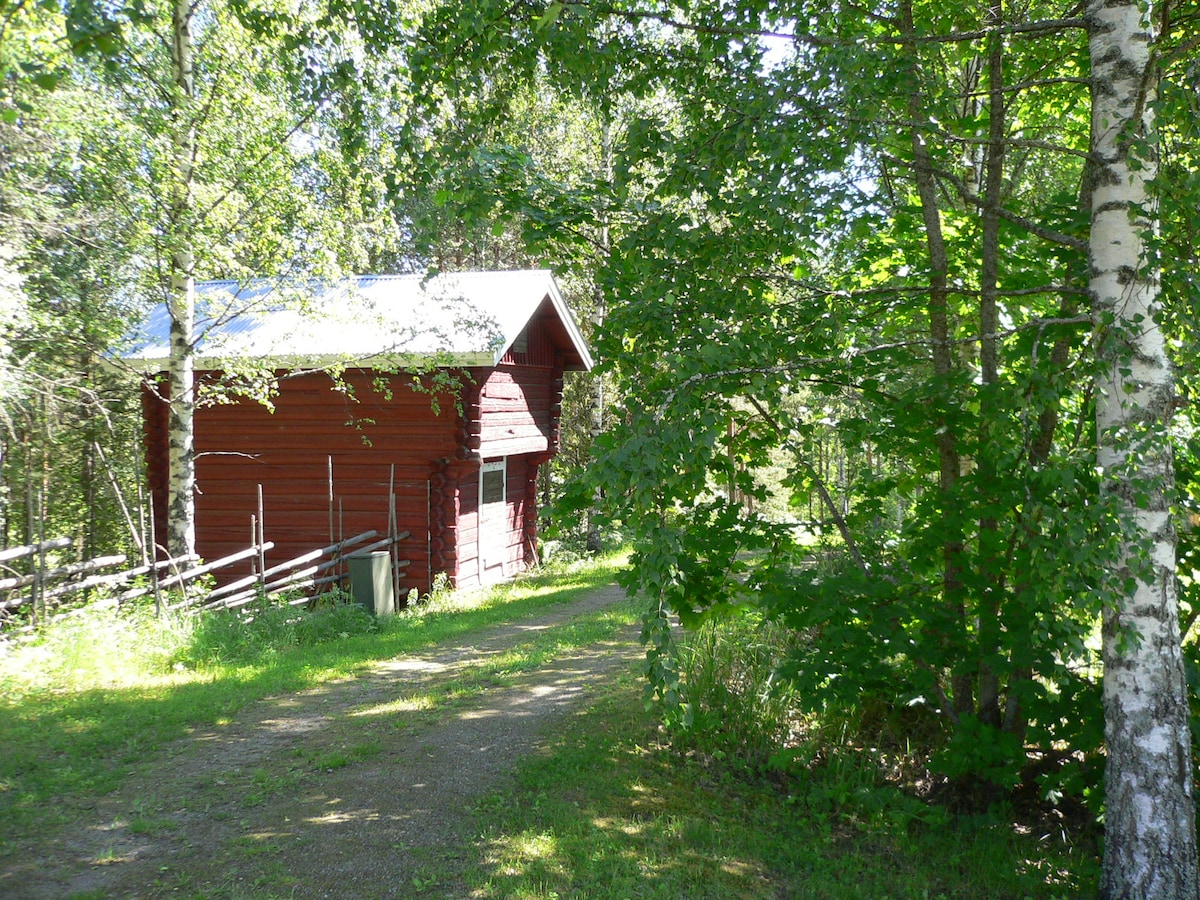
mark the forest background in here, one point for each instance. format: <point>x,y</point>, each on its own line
<point>859,363</point>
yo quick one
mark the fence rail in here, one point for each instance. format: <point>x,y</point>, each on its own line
<point>36,577</point>
<point>306,572</point>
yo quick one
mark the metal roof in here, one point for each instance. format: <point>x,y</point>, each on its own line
<point>462,318</point>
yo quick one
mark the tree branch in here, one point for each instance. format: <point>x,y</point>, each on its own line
<point>812,40</point>
<point>838,518</point>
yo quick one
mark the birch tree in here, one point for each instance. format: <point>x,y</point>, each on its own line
<point>181,283</point>
<point>1150,835</point>
<point>229,99</point>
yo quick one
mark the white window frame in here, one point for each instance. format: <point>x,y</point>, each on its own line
<point>487,550</point>
<point>496,465</point>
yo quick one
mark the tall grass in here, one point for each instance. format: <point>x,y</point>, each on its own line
<point>739,711</point>
<point>96,646</point>
<point>608,812</point>
<point>743,712</point>
<point>859,770</point>
<point>604,810</point>
<point>866,759</point>
<point>103,646</point>
<point>253,636</point>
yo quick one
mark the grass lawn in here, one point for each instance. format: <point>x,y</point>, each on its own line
<point>608,810</point>
<point>80,708</point>
<point>612,812</point>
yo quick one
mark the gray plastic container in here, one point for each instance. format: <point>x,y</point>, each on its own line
<point>371,582</point>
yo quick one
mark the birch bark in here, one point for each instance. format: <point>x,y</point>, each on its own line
<point>1150,838</point>
<point>181,506</point>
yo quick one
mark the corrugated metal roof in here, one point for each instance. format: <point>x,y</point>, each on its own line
<point>470,318</point>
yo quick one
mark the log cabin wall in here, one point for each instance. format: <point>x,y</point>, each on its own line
<point>156,428</point>
<point>510,412</point>
<point>513,415</point>
<point>516,410</point>
<point>288,450</point>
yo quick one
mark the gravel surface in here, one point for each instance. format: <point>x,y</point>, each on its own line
<point>350,790</point>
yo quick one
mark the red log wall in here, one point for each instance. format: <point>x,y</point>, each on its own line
<point>242,445</point>
<point>510,411</point>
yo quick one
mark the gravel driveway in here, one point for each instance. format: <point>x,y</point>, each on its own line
<point>350,790</point>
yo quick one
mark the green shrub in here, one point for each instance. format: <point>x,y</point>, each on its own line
<point>742,708</point>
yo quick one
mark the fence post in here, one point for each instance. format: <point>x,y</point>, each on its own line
<point>158,604</point>
<point>260,540</point>
<point>39,588</point>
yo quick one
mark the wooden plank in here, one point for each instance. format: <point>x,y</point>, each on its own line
<point>191,574</point>
<point>335,426</point>
<point>29,550</point>
<point>362,469</point>
<point>249,596</point>
<point>93,581</point>
<point>290,564</point>
<point>91,565</point>
<point>302,542</point>
<point>303,402</point>
<point>293,490</point>
<point>301,579</point>
<point>159,566</point>
<point>379,544</point>
<point>244,439</point>
<point>515,446</point>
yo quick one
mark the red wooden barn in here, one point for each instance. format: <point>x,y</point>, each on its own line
<point>462,450</point>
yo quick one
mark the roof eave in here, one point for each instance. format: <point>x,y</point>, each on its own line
<point>154,364</point>
<point>568,320</point>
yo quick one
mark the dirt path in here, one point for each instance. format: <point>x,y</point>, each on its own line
<point>351,790</point>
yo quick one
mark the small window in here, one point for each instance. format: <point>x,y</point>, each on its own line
<point>492,482</point>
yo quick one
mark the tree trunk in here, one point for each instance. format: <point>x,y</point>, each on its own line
<point>1150,835</point>
<point>949,458</point>
<point>181,506</point>
<point>595,542</point>
<point>990,542</point>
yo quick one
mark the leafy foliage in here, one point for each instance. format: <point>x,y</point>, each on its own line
<point>850,236</point>
<point>844,244</point>
<point>66,237</point>
<point>89,221</point>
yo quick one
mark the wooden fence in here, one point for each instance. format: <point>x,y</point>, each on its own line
<point>172,582</point>
<point>44,584</point>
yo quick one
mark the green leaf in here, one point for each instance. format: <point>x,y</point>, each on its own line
<point>549,17</point>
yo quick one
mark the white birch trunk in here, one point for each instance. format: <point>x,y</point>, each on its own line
<point>1150,837</point>
<point>181,506</point>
